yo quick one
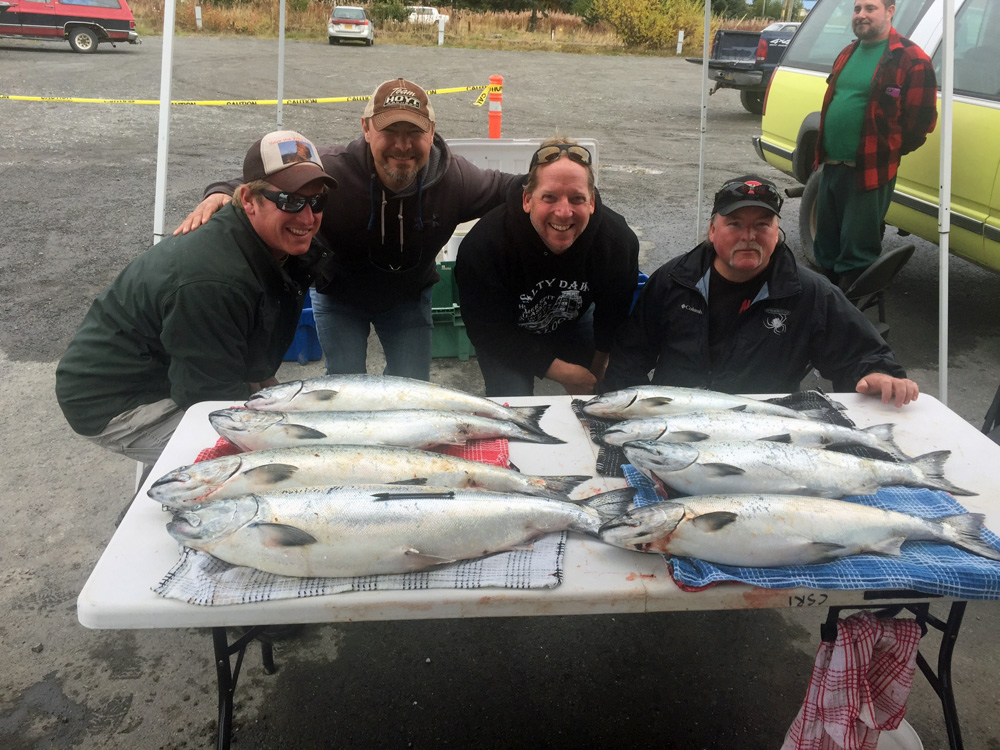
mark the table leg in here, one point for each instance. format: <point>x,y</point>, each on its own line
<point>228,674</point>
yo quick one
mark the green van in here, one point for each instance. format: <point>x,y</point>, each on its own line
<point>795,96</point>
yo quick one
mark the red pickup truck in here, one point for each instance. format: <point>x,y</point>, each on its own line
<point>83,23</point>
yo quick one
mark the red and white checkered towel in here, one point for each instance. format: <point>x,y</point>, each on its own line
<point>859,685</point>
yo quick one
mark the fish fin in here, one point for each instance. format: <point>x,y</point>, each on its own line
<point>282,535</point>
<point>415,482</point>
<point>887,546</point>
<point>271,473</point>
<point>536,436</point>
<point>884,433</point>
<point>560,486</point>
<point>513,466</point>
<point>530,416</point>
<point>714,521</point>
<point>967,527</point>
<point>741,407</point>
<point>824,552</point>
<point>785,437</point>
<point>687,436</point>
<point>655,401</point>
<point>427,559</point>
<point>610,505</point>
<point>723,470</point>
<point>327,394</point>
<point>932,465</point>
<point>301,432</point>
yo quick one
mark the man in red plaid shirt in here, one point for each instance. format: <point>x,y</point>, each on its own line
<point>881,102</point>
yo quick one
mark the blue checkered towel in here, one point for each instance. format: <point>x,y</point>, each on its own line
<point>923,566</point>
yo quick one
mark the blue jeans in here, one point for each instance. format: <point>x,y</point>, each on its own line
<point>505,375</point>
<point>405,333</point>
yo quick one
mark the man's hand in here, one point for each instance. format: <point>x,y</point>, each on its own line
<point>599,365</point>
<point>203,212</point>
<point>576,379</point>
<point>900,390</point>
<point>254,387</point>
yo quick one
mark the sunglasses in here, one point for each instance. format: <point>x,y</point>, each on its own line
<point>292,203</point>
<point>549,154</point>
<point>765,193</point>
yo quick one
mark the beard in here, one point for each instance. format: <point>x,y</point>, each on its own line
<point>867,32</point>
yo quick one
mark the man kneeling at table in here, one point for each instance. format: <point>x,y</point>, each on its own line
<point>181,325</point>
<point>738,314</point>
<point>546,278</point>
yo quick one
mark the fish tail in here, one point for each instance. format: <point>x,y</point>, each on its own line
<point>531,436</point>
<point>965,532</point>
<point>606,507</point>
<point>560,486</point>
<point>530,416</point>
<point>884,433</point>
<point>932,465</point>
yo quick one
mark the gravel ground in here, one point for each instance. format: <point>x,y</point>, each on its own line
<point>78,194</point>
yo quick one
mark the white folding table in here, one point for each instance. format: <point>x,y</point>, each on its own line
<point>597,578</point>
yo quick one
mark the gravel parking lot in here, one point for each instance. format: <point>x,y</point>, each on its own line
<point>78,190</point>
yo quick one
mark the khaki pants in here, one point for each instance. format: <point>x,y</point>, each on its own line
<point>141,433</point>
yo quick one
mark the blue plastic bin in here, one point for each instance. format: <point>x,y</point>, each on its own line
<point>305,346</point>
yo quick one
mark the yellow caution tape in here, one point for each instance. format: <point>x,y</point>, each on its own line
<point>489,88</point>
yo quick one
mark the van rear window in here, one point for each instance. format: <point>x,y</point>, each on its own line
<point>827,30</point>
<point>94,3</point>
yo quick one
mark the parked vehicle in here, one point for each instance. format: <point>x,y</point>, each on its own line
<point>795,97</point>
<point>425,14</point>
<point>745,60</point>
<point>350,22</point>
<point>83,23</point>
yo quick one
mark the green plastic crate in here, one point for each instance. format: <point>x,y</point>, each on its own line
<point>449,338</point>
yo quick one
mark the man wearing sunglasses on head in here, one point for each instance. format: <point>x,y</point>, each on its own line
<point>402,194</point>
<point>546,278</point>
<point>738,314</point>
<point>204,316</point>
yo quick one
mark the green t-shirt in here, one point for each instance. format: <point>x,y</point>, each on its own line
<point>844,117</point>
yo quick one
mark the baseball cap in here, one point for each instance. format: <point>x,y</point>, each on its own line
<point>399,100</point>
<point>286,159</point>
<point>748,190</point>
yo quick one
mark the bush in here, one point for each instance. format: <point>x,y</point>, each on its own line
<point>391,11</point>
<point>653,24</point>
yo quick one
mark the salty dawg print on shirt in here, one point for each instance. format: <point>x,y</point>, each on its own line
<point>550,303</point>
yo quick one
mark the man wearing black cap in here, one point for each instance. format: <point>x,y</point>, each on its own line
<point>206,316</point>
<point>402,194</point>
<point>738,314</point>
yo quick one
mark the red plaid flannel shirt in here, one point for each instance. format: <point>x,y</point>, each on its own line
<point>902,109</point>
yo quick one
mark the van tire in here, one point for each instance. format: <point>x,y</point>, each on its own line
<point>82,39</point>
<point>807,216</point>
<point>752,101</point>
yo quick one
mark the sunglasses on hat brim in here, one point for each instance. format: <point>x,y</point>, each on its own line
<point>549,154</point>
<point>754,190</point>
<point>292,203</point>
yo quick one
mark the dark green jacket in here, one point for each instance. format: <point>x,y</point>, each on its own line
<point>194,318</point>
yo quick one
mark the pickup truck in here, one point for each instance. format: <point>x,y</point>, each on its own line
<point>744,60</point>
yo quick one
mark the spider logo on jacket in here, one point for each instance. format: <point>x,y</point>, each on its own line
<point>776,323</point>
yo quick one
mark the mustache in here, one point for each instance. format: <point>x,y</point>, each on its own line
<point>748,245</point>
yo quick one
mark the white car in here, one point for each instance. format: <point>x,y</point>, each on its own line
<point>350,22</point>
<point>425,14</point>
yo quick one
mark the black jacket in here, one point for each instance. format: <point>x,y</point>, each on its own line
<point>514,290</point>
<point>798,321</point>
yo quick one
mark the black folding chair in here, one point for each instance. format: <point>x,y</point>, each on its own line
<point>868,289</point>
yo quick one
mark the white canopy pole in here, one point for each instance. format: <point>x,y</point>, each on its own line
<point>944,192</point>
<point>281,59</point>
<point>163,134</point>
<point>704,116</point>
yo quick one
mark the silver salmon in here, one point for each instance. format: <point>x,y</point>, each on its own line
<point>725,426</point>
<point>762,466</point>
<point>321,466</point>
<point>765,531</point>
<point>658,400</point>
<point>406,428</point>
<point>377,392</point>
<point>378,529</point>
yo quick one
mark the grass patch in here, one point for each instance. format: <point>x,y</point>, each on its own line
<point>556,32</point>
